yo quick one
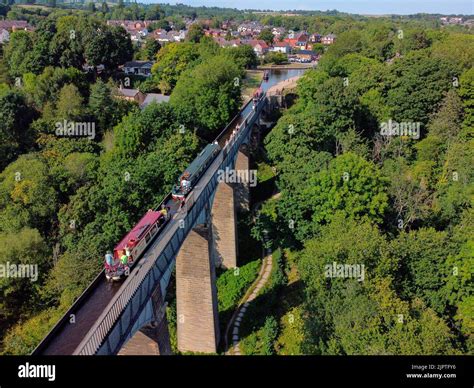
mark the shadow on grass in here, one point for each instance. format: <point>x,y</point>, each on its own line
<point>264,190</point>
<point>270,302</point>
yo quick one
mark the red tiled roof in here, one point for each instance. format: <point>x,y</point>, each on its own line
<point>281,44</point>
<point>260,42</point>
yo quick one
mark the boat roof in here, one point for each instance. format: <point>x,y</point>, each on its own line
<point>140,228</point>
<point>202,157</point>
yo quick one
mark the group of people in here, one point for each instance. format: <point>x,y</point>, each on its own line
<point>124,260</point>
<point>125,254</point>
<point>235,132</point>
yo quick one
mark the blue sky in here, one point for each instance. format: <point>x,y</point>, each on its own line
<point>373,7</point>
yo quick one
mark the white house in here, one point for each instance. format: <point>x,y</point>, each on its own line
<point>154,97</point>
<point>4,36</point>
<point>281,47</point>
<point>142,68</point>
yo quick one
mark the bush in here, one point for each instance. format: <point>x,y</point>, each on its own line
<point>233,283</point>
<point>269,336</point>
<point>276,58</point>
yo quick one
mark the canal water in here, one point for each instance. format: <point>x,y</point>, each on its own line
<point>278,75</point>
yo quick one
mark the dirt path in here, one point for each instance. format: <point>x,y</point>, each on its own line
<point>290,83</point>
<point>251,294</point>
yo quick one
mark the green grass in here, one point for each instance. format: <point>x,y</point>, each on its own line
<point>233,283</point>
<point>281,301</point>
<point>266,179</point>
<point>250,83</point>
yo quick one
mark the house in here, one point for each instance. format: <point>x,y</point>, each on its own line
<point>328,39</point>
<point>142,68</point>
<point>154,97</point>
<point>15,25</point>
<point>259,46</point>
<point>455,20</point>
<point>138,34</point>
<point>131,25</point>
<point>250,29</point>
<point>162,36</point>
<point>90,69</point>
<point>301,38</point>
<point>281,47</point>
<point>215,32</point>
<point>4,36</point>
<point>177,36</point>
<point>278,32</point>
<point>227,43</point>
<point>291,42</point>
<point>315,38</point>
<point>306,56</point>
<point>228,24</point>
<point>130,95</point>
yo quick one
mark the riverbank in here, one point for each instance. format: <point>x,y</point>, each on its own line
<point>250,83</point>
<point>289,66</point>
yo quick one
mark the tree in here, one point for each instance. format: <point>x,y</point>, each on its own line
<point>41,55</point>
<point>350,185</point>
<point>417,85</point>
<point>207,95</point>
<point>161,24</point>
<point>27,197</point>
<point>276,58</point>
<point>466,92</point>
<point>19,295</point>
<point>138,132</point>
<point>17,53</point>
<point>456,49</point>
<point>108,46</point>
<point>104,7</point>
<point>46,87</point>
<point>349,316</point>
<point>15,119</point>
<point>266,35</point>
<point>102,105</point>
<point>154,12</point>
<point>243,55</point>
<point>422,255</point>
<point>70,103</point>
<point>195,33</point>
<point>151,48</point>
<point>91,7</point>
<point>171,61</point>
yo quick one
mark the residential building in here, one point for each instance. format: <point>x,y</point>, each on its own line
<point>315,38</point>
<point>306,55</point>
<point>328,39</point>
<point>227,43</point>
<point>281,47</point>
<point>130,95</point>
<point>259,46</point>
<point>154,97</point>
<point>15,25</point>
<point>142,68</point>
<point>4,36</point>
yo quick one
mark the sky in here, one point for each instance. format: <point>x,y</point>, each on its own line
<point>370,7</point>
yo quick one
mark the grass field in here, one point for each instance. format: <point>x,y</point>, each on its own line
<point>250,83</point>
